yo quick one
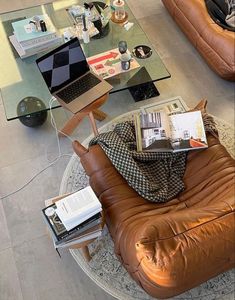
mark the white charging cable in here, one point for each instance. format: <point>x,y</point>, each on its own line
<point>53,123</point>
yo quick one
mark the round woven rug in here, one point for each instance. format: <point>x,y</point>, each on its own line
<point>105,269</point>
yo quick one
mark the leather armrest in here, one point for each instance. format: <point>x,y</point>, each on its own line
<point>183,228</point>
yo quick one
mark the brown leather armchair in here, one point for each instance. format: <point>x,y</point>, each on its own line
<point>214,43</point>
<point>172,247</point>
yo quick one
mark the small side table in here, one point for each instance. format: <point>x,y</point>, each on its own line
<point>84,245</point>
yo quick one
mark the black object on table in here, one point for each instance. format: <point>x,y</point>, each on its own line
<point>103,31</point>
<point>142,91</point>
<point>30,104</point>
<point>142,51</point>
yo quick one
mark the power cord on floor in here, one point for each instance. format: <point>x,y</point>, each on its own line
<point>60,155</point>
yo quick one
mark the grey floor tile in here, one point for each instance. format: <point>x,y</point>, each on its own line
<point>58,293</point>
<point>23,142</point>
<point>4,233</point>
<point>191,87</point>
<point>25,263</point>
<point>44,275</point>
<point>224,107</point>
<point>35,261</point>
<point>9,282</point>
<point>71,270</point>
<point>23,209</point>
<point>165,36</point>
<point>18,174</point>
<point>145,9</point>
<point>19,4</point>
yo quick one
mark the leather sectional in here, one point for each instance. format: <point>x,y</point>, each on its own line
<point>214,43</point>
<point>172,247</point>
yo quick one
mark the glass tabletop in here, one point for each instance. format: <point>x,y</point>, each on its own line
<point>20,78</point>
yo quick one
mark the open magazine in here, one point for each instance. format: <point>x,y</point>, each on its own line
<point>157,131</point>
<point>78,207</point>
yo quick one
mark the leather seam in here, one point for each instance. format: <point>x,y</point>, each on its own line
<point>183,232</point>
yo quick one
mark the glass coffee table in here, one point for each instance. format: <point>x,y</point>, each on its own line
<point>20,78</point>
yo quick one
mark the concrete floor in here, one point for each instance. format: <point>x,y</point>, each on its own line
<point>30,269</point>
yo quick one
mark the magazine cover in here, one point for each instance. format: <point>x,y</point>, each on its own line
<point>158,131</point>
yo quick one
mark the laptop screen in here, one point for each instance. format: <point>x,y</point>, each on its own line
<point>63,65</point>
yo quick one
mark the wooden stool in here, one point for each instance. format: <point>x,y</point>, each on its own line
<point>84,248</point>
<point>91,111</point>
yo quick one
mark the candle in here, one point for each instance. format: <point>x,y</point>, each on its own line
<point>84,22</point>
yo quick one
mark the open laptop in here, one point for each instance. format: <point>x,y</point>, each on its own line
<point>68,77</point>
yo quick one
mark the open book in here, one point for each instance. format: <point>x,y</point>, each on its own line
<point>78,207</point>
<point>157,131</point>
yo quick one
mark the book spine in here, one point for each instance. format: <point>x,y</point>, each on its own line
<point>40,39</point>
<point>43,47</point>
<point>138,133</point>
<point>81,240</point>
<point>80,228</point>
<point>78,232</point>
<point>49,226</point>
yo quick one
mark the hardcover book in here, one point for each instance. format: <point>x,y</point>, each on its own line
<point>36,48</point>
<point>81,239</point>
<point>26,37</point>
<point>160,132</point>
<point>77,207</point>
<point>58,230</point>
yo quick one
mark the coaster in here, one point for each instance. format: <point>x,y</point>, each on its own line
<point>142,51</point>
<point>119,21</point>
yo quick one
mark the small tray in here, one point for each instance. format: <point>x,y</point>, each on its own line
<point>142,51</point>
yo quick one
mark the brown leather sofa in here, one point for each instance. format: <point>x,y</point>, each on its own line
<point>172,247</point>
<point>215,44</point>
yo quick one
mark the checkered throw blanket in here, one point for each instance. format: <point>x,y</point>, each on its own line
<point>156,176</point>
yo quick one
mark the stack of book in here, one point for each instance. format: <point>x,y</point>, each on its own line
<point>74,219</point>
<point>28,42</point>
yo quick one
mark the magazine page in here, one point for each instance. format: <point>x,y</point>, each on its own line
<point>153,132</point>
<point>187,131</point>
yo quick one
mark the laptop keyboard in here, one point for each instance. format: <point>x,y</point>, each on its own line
<point>78,87</point>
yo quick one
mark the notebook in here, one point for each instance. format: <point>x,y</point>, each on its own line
<point>68,77</point>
